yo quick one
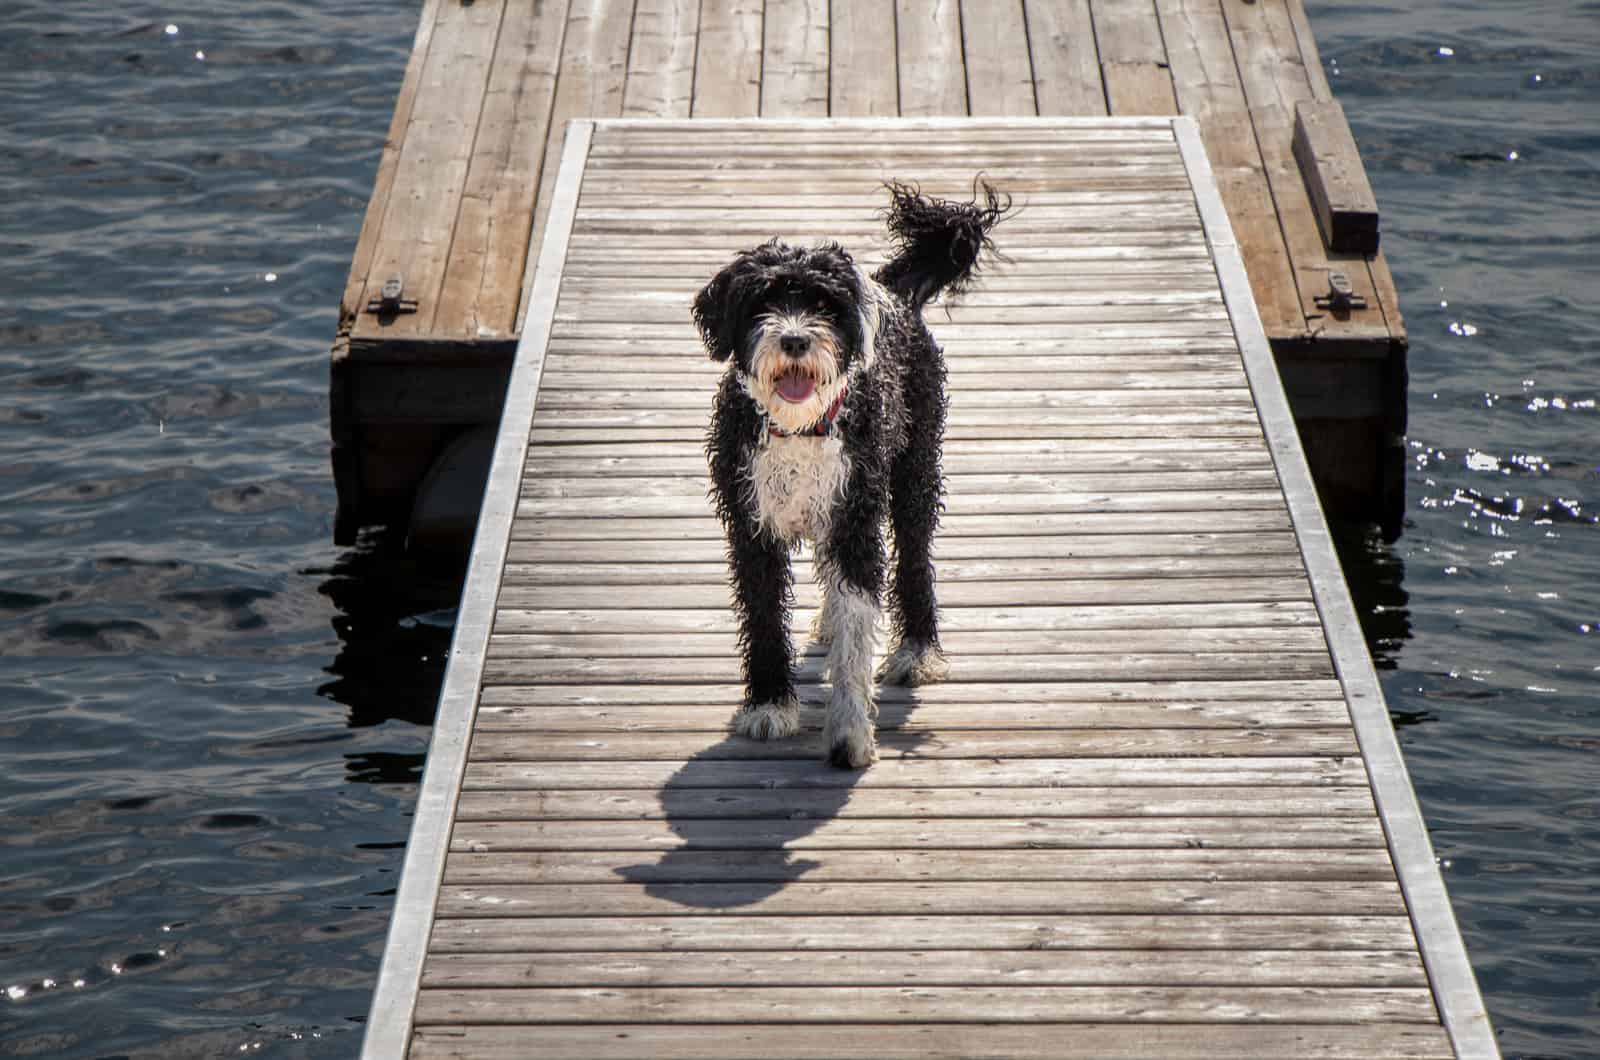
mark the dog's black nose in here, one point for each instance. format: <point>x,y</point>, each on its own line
<point>795,345</point>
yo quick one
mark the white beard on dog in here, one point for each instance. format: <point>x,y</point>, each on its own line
<point>794,483</point>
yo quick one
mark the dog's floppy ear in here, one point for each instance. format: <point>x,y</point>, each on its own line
<point>710,306</point>
<point>719,308</point>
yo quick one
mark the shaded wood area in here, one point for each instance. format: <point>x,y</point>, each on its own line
<point>468,167</point>
<point>1135,821</point>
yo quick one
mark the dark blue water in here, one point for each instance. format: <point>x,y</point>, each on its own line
<point>212,721</point>
<point>1480,127</point>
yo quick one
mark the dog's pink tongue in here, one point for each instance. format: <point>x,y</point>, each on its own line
<point>795,387</point>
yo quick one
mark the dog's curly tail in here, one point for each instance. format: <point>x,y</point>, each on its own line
<point>938,243</point>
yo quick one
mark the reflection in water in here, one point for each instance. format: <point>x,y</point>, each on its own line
<point>394,625</point>
<point>1375,572</point>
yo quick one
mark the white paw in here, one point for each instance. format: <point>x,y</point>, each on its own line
<point>914,664</point>
<point>849,736</point>
<point>768,721</point>
<point>822,627</point>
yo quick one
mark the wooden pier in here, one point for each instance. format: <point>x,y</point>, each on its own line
<point>417,383</point>
<point>1157,810</point>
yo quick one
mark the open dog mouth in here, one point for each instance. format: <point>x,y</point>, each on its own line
<point>795,386</point>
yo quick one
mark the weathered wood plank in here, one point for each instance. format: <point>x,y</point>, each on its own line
<point>503,668</point>
<point>1102,311</point>
<point>931,71</point>
<point>950,526</point>
<point>997,594</point>
<point>912,127</point>
<point>1132,484</point>
<point>1050,148</point>
<point>1389,968</point>
<point>1208,87</point>
<point>1134,351</point>
<point>795,60</point>
<point>1017,898</point>
<point>1132,447</point>
<point>1346,211</point>
<point>915,803</point>
<point>432,165</point>
<point>727,72</point>
<point>994,45</point>
<point>936,1041</point>
<point>1244,769</point>
<point>725,644</point>
<point>698,251</point>
<point>1123,690</point>
<point>963,400</point>
<point>863,72</point>
<point>1057,147</point>
<point>848,202</point>
<point>1067,935</point>
<point>1060,501</point>
<point>1226,481</point>
<point>576,426</point>
<point>1107,554</point>
<point>488,266</point>
<point>889,866</point>
<point>1133,57</point>
<point>928,717</point>
<point>661,59</point>
<point>665,293</point>
<point>1066,60</point>
<point>1066,264</point>
<point>354,300</point>
<point>919,1004</point>
<point>911,834</point>
<point>1058,743</point>
<point>1169,423</point>
<point>668,459</point>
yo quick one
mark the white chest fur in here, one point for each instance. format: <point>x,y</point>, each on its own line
<point>794,483</point>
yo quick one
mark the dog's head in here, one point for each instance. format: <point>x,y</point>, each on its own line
<point>795,321</point>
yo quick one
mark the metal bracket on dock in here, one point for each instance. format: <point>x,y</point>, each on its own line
<point>391,298</point>
<point>1341,296</point>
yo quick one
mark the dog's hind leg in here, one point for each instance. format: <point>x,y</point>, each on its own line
<point>914,514</point>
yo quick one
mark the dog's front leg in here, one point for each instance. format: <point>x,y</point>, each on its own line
<point>762,593</point>
<point>854,568</point>
<point>759,569</point>
<point>848,733</point>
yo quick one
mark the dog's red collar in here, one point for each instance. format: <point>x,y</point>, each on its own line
<point>821,429</point>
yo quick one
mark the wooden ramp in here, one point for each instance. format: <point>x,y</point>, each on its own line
<point>1156,811</point>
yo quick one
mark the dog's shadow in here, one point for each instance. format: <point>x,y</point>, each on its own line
<point>742,810</point>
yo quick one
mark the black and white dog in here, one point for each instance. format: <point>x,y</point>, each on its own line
<point>828,423</point>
